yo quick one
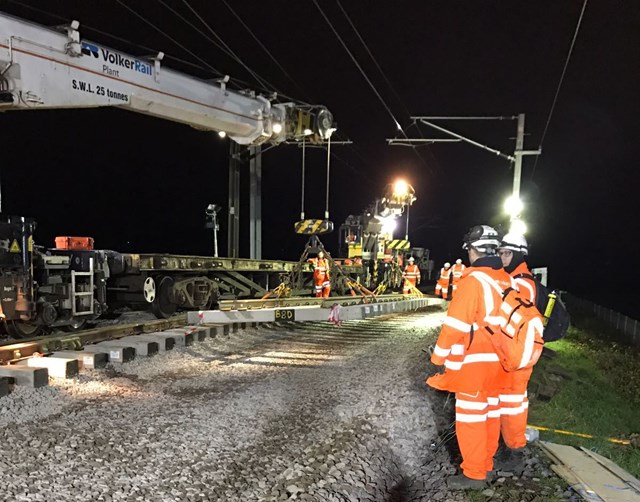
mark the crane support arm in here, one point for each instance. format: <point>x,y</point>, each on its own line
<point>44,68</point>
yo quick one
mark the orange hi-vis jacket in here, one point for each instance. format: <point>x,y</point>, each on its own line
<point>457,271</point>
<point>464,346</point>
<point>412,273</point>
<point>445,274</point>
<point>321,267</point>
<point>526,287</point>
<point>513,399</point>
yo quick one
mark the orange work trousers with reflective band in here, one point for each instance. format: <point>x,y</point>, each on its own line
<point>442,288</point>
<point>514,407</point>
<point>409,284</point>
<point>322,285</point>
<point>478,431</point>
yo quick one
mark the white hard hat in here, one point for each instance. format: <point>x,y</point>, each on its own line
<point>459,261</point>
<point>447,265</point>
<point>411,258</point>
<point>515,242</point>
<point>482,237</point>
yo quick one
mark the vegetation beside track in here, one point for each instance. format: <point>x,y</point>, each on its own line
<point>597,382</point>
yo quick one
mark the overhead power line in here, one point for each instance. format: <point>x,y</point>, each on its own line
<point>266,85</point>
<point>382,72</point>
<point>373,87</point>
<point>258,78</point>
<point>146,21</point>
<point>113,37</point>
<point>564,70</point>
<point>384,75</point>
<point>368,80</point>
<point>259,42</point>
<point>185,20</point>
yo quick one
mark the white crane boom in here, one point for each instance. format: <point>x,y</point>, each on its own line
<point>44,68</point>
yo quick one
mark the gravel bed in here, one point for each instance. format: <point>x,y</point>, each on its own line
<point>304,412</point>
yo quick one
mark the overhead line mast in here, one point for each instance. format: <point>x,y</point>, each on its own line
<point>515,159</point>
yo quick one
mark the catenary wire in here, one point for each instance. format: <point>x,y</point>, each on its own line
<point>111,36</point>
<point>234,80</point>
<point>259,42</point>
<point>384,75</point>
<point>266,85</point>
<point>185,20</point>
<point>344,45</point>
<point>263,82</point>
<point>564,70</point>
<point>382,72</point>
<point>193,65</point>
<point>375,90</point>
<point>146,21</point>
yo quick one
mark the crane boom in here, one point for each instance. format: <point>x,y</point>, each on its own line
<point>44,68</point>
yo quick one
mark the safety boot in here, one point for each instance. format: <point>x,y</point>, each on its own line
<point>462,482</point>
<point>510,460</point>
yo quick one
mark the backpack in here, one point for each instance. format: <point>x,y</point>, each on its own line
<point>516,330</point>
<point>554,311</point>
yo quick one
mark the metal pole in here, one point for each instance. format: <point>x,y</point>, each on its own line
<point>326,211</point>
<point>233,228</point>
<point>517,166</point>
<point>255,202</point>
<point>406,234</point>
<point>304,156</point>
<point>215,234</point>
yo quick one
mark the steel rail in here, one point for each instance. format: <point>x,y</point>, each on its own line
<point>252,304</point>
<point>13,350</point>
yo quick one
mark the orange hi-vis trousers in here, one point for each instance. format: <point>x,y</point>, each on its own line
<point>322,285</point>
<point>409,284</point>
<point>442,287</point>
<point>514,408</point>
<point>478,431</point>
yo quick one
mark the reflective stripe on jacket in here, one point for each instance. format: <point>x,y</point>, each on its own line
<point>526,287</point>
<point>411,272</point>
<point>458,270</point>
<point>321,266</point>
<point>464,346</point>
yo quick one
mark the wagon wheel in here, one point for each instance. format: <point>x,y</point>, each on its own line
<point>22,329</point>
<point>163,306</point>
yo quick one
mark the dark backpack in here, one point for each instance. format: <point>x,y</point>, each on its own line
<point>549,304</point>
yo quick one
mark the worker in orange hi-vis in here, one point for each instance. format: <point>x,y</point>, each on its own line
<point>456,272</point>
<point>472,368</point>
<point>411,276</point>
<point>442,286</point>
<point>321,278</point>
<point>514,403</point>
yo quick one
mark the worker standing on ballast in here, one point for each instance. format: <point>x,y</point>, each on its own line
<point>321,277</point>
<point>472,368</point>
<point>442,286</point>
<point>514,404</point>
<point>456,272</point>
<point>411,276</point>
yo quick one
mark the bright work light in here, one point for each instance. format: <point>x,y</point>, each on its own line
<point>513,206</point>
<point>400,188</point>
<point>518,227</point>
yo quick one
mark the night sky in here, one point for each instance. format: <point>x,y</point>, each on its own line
<point>141,184</point>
